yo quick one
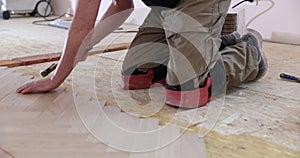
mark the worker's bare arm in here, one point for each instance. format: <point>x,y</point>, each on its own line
<point>115,16</point>
<point>120,9</point>
<point>83,23</point>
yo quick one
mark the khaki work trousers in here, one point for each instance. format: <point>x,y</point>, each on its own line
<point>187,40</point>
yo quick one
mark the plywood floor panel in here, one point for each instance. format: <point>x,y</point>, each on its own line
<point>61,108</point>
<point>263,103</point>
<point>55,121</point>
<point>267,111</point>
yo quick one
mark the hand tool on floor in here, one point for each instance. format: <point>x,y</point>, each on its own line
<point>110,48</point>
<point>53,66</point>
<point>289,77</point>
<point>48,70</point>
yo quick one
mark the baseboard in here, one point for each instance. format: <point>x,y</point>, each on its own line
<point>285,37</point>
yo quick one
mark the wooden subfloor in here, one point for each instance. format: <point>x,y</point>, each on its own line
<point>260,119</point>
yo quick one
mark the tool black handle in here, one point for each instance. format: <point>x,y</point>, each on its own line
<point>289,77</point>
<point>49,70</point>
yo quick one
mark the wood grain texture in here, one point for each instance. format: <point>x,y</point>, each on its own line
<point>59,123</point>
<point>267,126</point>
<point>268,108</point>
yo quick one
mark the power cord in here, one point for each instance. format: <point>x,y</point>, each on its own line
<point>41,22</point>
<point>263,12</point>
<point>242,2</point>
<point>258,15</point>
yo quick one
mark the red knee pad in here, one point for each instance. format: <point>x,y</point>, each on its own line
<point>140,81</point>
<point>189,99</point>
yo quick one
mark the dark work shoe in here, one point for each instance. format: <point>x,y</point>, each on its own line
<point>255,39</point>
<point>229,39</point>
<point>137,79</point>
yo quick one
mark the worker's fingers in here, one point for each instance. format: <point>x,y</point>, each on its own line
<point>27,88</point>
<point>31,89</point>
<point>20,89</point>
<point>43,85</point>
<point>26,91</point>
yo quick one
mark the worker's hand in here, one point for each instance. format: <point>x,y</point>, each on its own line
<point>43,85</point>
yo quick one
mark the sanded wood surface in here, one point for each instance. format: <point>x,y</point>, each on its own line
<point>62,124</point>
<point>265,113</point>
<point>257,120</point>
<point>267,116</point>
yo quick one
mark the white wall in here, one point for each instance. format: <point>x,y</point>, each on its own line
<point>62,6</point>
<point>279,23</point>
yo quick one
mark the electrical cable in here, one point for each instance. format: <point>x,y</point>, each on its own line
<point>258,15</point>
<point>243,2</point>
<point>263,12</point>
<point>40,22</point>
<point>238,4</point>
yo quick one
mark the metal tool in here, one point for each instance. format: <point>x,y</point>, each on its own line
<point>47,71</point>
<point>54,65</point>
<point>289,77</point>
